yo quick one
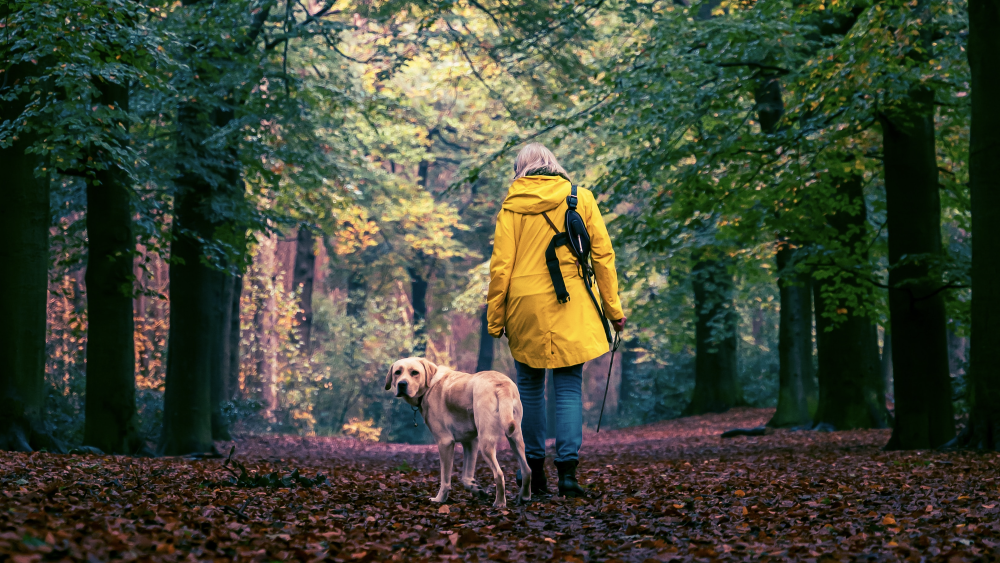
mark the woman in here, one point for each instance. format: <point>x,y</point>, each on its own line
<point>544,333</point>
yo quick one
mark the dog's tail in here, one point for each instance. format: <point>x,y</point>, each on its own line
<point>505,406</point>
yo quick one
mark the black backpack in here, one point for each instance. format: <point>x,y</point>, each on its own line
<point>578,240</point>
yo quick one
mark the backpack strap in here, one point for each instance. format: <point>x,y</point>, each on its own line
<point>571,199</point>
<point>552,263</point>
<point>549,221</point>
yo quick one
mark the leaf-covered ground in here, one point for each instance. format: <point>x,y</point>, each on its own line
<point>670,491</point>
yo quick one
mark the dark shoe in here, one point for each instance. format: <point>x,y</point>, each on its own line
<point>539,482</point>
<point>568,486</point>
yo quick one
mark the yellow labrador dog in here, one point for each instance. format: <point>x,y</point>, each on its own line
<point>477,410</point>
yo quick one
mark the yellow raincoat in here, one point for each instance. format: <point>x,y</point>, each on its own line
<point>544,333</point>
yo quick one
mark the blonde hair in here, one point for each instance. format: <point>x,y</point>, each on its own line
<point>534,157</point>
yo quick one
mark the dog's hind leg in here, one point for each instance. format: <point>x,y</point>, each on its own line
<point>517,444</point>
<point>447,451</point>
<point>489,450</point>
<point>471,451</point>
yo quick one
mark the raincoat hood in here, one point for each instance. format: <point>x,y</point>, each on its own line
<point>532,195</point>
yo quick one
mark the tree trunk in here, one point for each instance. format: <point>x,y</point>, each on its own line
<point>983,431</point>
<point>232,371</point>
<point>418,292</point>
<point>111,422</point>
<point>196,295</point>
<point>851,393</point>
<point>629,382</point>
<point>796,381</point>
<point>924,412</point>
<point>356,295</point>
<point>886,362</point>
<point>24,256</point>
<point>265,324</point>
<point>303,274</point>
<point>485,361</point>
<point>423,173</point>
<point>24,224</point>
<point>221,356</point>
<point>716,388</point>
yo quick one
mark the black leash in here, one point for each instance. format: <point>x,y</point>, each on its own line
<point>611,365</point>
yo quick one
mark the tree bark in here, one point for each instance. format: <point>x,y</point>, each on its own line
<point>24,256</point>
<point>196,294</point>
<point>716,388</point>
<point>485,360</point>
<point>924,412</point>
<point>232,368</point>
<point>111,422</point>
<point>886,361</point>
<point>199,305</point>
<point>983,431</point>
<point>629,382</point>
<point>850,390</point>
<point>267,342</point>
<point>303,274</point>
<point>357,291</point>
<point>220,358</point>
<point>851,393</point>
<point>797,392</point>
<point>418,299</point>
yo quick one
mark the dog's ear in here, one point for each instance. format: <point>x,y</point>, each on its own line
<point>388,378</point>
<point>430,368</point>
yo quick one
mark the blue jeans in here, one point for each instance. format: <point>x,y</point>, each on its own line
<point>569,410</point>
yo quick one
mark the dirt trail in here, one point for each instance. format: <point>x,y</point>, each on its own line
<point>668,491</point>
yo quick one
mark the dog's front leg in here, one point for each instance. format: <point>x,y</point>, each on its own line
<point>447,452</point>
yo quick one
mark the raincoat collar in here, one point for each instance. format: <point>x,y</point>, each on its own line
<point>532,195</point>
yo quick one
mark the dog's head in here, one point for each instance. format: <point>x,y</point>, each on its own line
<point>411,376</point>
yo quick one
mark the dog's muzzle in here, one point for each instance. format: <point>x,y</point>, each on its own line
<point>401,389</point>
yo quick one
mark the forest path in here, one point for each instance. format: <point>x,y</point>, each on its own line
<point>672,490</point>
